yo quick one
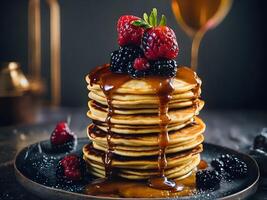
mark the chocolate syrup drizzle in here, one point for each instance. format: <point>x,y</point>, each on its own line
<point>109,82</point>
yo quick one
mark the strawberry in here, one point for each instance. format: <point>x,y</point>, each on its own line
<point>128,33</point>
<point>158,41</point>
<point>61,134</point>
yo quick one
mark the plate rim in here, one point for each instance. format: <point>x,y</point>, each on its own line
<point>21,178</point>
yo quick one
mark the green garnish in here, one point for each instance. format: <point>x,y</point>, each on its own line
<point>151,20</point>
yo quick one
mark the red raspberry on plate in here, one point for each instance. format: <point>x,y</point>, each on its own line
<point>128,33</point>
<point>160,42</point>
<point>61,134</point>
<point>71,167</point>
<point>141,64</point>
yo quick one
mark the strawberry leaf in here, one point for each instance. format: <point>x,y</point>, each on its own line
<point>151,19</point>
<point>141,23</point>
<point>155,16</point>
<point>145,17</point>
<point>163,21</point>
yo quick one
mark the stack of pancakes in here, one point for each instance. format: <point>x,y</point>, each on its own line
<point>135,130</point>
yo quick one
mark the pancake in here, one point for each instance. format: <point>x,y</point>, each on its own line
<point>143,162</point>
<point>142,87</point>
<point>181,171</point>
<point>127,109</point>
<point>137,129</point>
<point>178,172</point>
<point>142,126</point>
<point>176,137</point>
<point>126,99</point>
<point>131,152</point>
<point>176,116</point>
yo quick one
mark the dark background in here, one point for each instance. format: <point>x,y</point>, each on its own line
<point>231,62</point>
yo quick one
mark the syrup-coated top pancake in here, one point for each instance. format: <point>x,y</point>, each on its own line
<point>186,80</point>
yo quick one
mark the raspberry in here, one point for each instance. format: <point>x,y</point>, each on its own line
<point>141,64</point>
<point>120,59</point>
<point>128,33</point>
<point>71,165</point>
<point>208,179</point>
<point>136,73</point>
<point>61,134</point>
<point>159,42</point>
<point>166,68</point>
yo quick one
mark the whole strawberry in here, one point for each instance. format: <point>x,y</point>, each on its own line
<point>128,33</point>
<point>158,41</point>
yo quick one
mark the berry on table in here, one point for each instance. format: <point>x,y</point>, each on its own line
<point>217,165</point>
<point>61,134</point>
<point>208,179</point>
<point>233,166</point>
<point>128,33</point>
<point>71,166</point>
<point>260,142</point>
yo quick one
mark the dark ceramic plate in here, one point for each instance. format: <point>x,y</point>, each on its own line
<point>35,168</point>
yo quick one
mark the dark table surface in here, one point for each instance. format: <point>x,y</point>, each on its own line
<point>233,129</point>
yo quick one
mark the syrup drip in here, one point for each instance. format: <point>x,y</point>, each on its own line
<point>109,82</point>
<point>191,77</point>
<point>137,189</point>
<point>163,88</point>
<point>202,165</point>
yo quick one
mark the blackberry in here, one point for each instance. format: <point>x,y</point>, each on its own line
<point>208,179</point>
<point>120,59</point>
<point>164,68</point>
<point>233,166</point>
<point>260,142</point>
<point>217,165</point>
<point>136,73</point>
